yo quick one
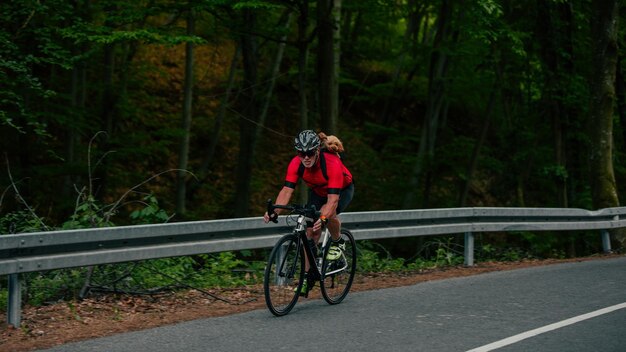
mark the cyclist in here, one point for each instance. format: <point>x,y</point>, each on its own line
<point>330,185</point>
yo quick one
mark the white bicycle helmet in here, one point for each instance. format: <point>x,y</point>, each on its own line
<point>307,140</point>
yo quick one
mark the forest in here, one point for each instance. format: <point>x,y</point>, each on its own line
<point>121,112</point>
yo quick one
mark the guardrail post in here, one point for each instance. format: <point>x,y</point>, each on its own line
<point>606,241</point>
<point>15,301</point>
<point>469,249</point>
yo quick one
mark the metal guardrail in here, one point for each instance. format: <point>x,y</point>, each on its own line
<point>39,251</point>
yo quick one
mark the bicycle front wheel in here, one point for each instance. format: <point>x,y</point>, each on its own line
<point>338,272</point>
<point>284,274</point>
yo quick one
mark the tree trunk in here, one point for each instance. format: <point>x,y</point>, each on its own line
<point>621,98</point>
<point>604,51</point>
<point>108,99</point>
<point>303,63</point>
<point>436,102</point>
<point>476,152</point>
<point>247,120</point>
<point>550,38</point>
<point>72,133</point>
<point>183,156</point>
<point>334,102</point>
<point>572,117</point>
<point>327,60</point>
<point>414,17</point>
<point>219,118</point>
<point>273,73</point>
<point>203,170</point>
<point>99,178</point>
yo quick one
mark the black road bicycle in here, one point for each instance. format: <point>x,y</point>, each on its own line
<point>285,269</point>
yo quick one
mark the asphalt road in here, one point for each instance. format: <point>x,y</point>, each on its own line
<point>565,307</point>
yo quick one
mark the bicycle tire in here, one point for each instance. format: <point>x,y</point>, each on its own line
<point>284,275</point>
<point>337,275</point>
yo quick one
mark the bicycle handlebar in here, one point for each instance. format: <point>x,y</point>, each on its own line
<point>309,211</point>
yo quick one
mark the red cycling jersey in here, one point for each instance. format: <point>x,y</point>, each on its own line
<point>339,176</point>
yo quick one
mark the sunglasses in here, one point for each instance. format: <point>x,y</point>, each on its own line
<point>310,154</point>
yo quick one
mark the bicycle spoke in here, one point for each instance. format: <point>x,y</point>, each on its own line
<point>283,275</point>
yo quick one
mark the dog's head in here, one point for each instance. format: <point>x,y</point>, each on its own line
<point>333,143</point>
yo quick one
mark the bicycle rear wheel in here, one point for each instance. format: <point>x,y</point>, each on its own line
<point>337,275</point>
<point>284,274</point>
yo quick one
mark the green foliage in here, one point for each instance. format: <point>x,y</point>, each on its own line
<point>371,261</point>
<point>202,271</point>
<point>69,70</point>
<point>151,213</point>
<point>104,35</point>
<point>22,50</point>
<point>88,214</point>
<point>53,285</point>
<point>446,251</point>
<point>4,294</point>
<point>556,171</point>
<point>19,222</point>
<point>225,270</point>
<point>490,252</point>
<point>255,4</point>
<point>544,245</point>
<point>375,258</point>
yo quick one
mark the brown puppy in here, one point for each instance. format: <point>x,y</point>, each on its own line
<point>332,143</point>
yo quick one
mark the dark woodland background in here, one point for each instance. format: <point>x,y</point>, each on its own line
<point>113,111</point>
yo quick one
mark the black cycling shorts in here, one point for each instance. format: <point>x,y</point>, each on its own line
<point>345,197</point>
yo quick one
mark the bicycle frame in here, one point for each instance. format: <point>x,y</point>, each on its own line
<point>314,261</point>
<point>301,231</point>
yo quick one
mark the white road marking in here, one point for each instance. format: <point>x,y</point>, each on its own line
<point>517,338</point>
